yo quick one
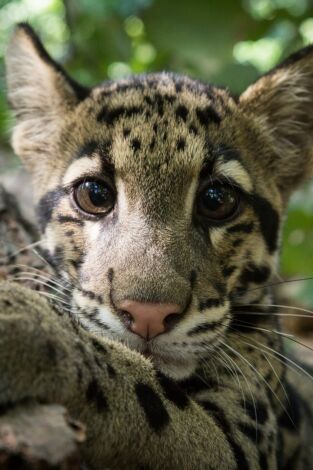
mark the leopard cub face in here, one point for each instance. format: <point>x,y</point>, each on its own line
<point>159,197</point>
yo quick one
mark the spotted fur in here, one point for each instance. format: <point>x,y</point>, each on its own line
<point>214,392</point>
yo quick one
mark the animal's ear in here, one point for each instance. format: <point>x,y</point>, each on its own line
<point>40,94</point>
<point>280,104</point>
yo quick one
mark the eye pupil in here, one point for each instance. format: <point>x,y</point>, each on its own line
<point>94,197</point>
<point>218,202</point>
<point>98,194</point>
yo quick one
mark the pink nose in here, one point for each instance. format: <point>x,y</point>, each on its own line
<point>148,319</point>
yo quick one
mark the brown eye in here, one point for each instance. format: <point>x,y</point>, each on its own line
<point>218,202</point>
<point>94,197</point>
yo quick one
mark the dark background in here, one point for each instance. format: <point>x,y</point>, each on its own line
<point>227,42</point>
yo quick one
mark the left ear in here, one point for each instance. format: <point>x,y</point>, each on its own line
<point>40,94</point>
<point>281,106</point>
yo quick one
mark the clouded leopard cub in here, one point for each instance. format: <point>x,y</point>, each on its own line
<point>160,201</point>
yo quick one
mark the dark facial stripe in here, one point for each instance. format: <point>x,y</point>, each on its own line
<point>46,205</point>
<point>204,327</point>
<point>64,219</point>
<point>155,412</point>
<point>209,303</point>
<point>92,295</point>
<point>269,220</point>
<point>245,228</point>
<point>254,273</point>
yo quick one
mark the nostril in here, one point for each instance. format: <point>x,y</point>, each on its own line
<point>171,320</point>
<point>126,318</point>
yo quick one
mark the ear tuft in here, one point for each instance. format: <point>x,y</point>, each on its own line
<point>281,106</point>
<point>39,91</point>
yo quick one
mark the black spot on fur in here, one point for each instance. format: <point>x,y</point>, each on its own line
<point>155,412</point>
<point>207,115</point>
<point>148,100</point>
<point>95,395</point>
<point>193,130</point>
<point>126,132</point>
<point>152,144</point>
<point>178,86</point>
<point>195,384</point>
<point>209,303</point>
<point>245,228</point>
<point>263,461</point>
<point>87,149</point>
<point>250,431</point>
<point>254,273</point>
<point>155,127</point>
<point>159,101</point>
<point>51,352</point>
<point>99,346</point>
<point>182,112</point>
<point>110,116</point>
<point>181,144</point>
<point>169,98</point>
<point>136,144</point>
<point>111,371</point>
<point>173,392</point>
<point>222,422</point>
<point>193,278</point>
<point>238,242</point>
<point>228,271</point>
<point>69,233</point>
<point>256,411</point>
<point>46,205</point>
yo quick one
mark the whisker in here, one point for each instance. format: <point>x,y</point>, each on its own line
<point>42,275</point>
<point>15,253</point>
<point>275,284</point>
<point>260,375</point>
<point>276,305</point>
<point>35,280</point>
<point>278,314</point>
<point>280,333</point>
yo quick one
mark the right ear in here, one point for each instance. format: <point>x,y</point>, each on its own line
<point>40,94</point>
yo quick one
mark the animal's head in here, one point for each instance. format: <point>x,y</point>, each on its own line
<point>160,198</point>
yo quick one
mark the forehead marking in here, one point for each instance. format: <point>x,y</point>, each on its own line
<point>84,166</point>
<point>234,170</point>
<point>110,116</point>
<point>207,115</point>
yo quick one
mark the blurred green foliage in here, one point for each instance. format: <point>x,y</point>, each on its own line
<point>222,41</point>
